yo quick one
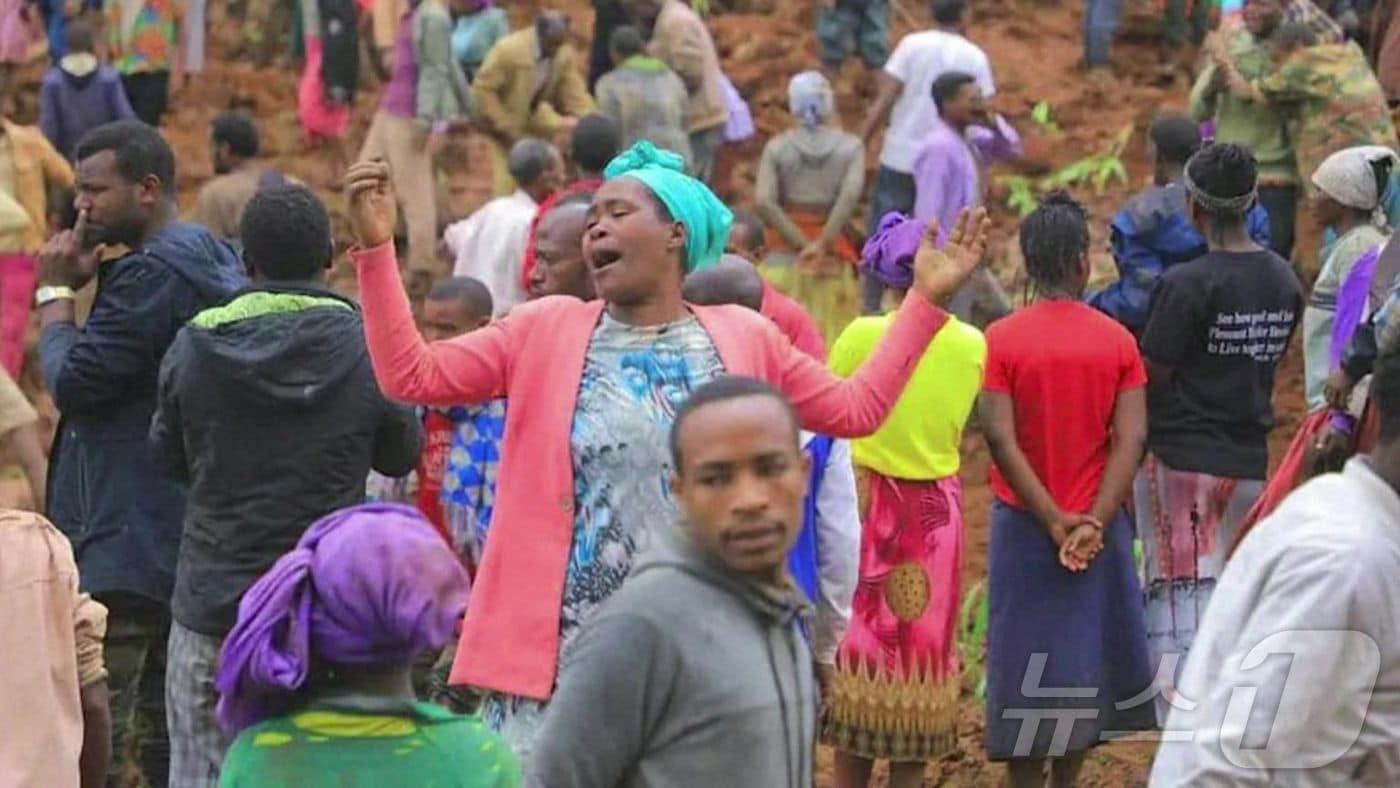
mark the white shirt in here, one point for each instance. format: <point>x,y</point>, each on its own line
<point>1318,581</point>
<point>920,59</point>
<point>489,246</point>
<point>838,550</point>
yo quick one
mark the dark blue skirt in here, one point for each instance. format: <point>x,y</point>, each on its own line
<point>1064,650</point>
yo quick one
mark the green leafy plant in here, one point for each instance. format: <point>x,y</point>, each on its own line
<point>1021,195</point>
<point>1097,171</point>
<point>972,639</point>
<point>1043,118</point>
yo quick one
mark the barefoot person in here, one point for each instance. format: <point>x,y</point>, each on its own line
<point>1065,417</point>
<point>593,387</point>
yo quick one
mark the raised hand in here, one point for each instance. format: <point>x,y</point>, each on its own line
<point>372,206</point>
<point>938,273</point>
<point>63,261</point>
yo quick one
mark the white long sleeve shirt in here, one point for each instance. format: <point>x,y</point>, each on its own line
<point>1294,676</point>
<point>838,550</point>
<point>489,246</point>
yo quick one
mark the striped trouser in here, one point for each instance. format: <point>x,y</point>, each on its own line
<point>197,746</point>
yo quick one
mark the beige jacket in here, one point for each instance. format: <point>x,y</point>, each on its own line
<point>504,89</point>
<point>682,41</point>
<point>53,648</point>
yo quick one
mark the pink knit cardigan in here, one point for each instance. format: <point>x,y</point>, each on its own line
<point>535,356</point>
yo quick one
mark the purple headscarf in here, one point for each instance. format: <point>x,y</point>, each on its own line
<point>367,585</point>
<point>889,253</point>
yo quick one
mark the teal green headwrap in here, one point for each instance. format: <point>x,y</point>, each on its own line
<point>689,201</point>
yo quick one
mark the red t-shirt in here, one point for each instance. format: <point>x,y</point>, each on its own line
<point>1063,364</point>
<point>797,325</point>
<point>432,463</point>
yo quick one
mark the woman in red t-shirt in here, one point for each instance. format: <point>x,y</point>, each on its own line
<point>1064,412</point>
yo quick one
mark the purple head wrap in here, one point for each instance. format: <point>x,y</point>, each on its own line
<point>367,585</point>
<point>889,253</point>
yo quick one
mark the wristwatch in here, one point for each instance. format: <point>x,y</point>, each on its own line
<point>51,293</point>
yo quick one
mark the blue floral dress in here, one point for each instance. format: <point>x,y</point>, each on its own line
<point>634,379</point>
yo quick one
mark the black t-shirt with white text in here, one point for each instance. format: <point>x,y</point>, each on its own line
<point>1220,324</point>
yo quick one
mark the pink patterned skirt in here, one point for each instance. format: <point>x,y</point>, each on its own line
<point>895,694</point>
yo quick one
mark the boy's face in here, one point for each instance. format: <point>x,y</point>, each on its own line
<point>741,483</point>
<point>445,319</point>
<point>738,244</point>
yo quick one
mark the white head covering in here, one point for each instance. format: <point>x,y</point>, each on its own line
<point>810,98</point>
<point>1348,177</point>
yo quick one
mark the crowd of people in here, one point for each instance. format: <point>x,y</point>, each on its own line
<point>610,483</point>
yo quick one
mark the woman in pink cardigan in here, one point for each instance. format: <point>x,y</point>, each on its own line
<point>593,388</point>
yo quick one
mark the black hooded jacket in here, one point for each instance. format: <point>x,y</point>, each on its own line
<point>270,413</point>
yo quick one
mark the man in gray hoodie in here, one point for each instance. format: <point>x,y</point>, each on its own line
<point>695,673</point>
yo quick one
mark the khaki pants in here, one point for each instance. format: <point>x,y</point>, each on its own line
<point>403,143</point>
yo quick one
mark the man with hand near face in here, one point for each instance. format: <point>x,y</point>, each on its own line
<point>105,494</point>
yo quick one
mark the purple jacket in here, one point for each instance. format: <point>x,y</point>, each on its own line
<point>947,171</point>
<point>70,106</point>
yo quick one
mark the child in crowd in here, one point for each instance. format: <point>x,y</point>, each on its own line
<point>895,691</point>
<point>695,672</point>
<point>1064,412</point>
<point>452,307</point>
<point>79,93</point>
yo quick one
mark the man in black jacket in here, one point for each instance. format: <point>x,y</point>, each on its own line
<point>269,411</point>
<point>104,492</point>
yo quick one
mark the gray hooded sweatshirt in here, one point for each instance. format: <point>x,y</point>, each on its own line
<point>687,676</point>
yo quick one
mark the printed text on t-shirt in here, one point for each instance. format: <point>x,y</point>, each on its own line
<point>1262,335</point>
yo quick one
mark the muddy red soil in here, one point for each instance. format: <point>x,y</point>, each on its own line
<point>1033,45</point>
